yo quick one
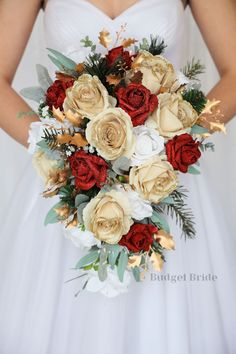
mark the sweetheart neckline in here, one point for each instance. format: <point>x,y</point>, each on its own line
<point>123,13</point>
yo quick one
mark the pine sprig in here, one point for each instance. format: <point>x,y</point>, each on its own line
<point>196,98</point>
<point>50,136</point>
<point>156,46</point>
<point>67,195</point>
<point>183,215</point>
<point>96,65</point>
<point>193,69</point>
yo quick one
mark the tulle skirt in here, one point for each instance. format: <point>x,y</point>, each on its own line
<point>188,308</point>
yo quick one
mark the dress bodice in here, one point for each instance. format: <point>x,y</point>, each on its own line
<point>66,22</point>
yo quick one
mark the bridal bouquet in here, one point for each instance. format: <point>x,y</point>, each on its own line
<point>114,133</point>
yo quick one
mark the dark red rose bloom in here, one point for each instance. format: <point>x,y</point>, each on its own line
<point>89,170</point>
<point>117,52</point>
<point>56,93</point>
<point>182,151</point>
<point>139,238</point>
<point>137,101</point>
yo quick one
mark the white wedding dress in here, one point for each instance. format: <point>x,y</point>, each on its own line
<point>38,311</point>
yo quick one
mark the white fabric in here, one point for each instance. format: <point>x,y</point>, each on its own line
<point>38,313</point>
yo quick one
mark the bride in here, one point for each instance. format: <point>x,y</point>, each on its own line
<point>190,309</point>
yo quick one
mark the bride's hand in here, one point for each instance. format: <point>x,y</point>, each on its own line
<point>17,18</point>
<point>217,22</point>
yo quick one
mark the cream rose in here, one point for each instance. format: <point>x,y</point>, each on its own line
<point>154,180</point>
<point>44,166</point>
<point>108,216</point>
<point>174,115</point>
<point>111,133</point>
<point>87,97</point>
<point>157,71</point>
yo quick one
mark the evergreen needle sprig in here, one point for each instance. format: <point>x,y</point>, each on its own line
<point>196,98</point>
<point>156,46</point>
<point>51,135</point>
<point>95,65</point>
<point>193,69</point>
<point>183,215</point>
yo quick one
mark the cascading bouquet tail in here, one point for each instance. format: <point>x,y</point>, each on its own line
<point>114,133</point>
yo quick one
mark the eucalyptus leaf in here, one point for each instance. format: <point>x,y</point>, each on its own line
<point>34,93</point>
<point>168,200</point>
<point>121,165</point>
<point>90,258</point>
<point>193,170</point>
<point>80,198</point>
<point>102,267</point>
<point>136,273</point>
<point>113,253</point>
<point>80,212</point>
<point>57,63</point>
<point>62,59</point>
<point>122,264</point>
<point>160,221</point>
<point>43,145</point>
<point>52,217</point>
<point>198,129</point>
<point>43,77</point>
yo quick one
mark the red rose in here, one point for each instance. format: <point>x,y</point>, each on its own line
<point>137,101</point>
<point>182,151</point>
<point>56,93</point>
<point>89,170</point>
<point>117,52</point>
<point>139,238</point>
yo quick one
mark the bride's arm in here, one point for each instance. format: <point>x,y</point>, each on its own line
<point>17,18</point>
<point>217,22</point>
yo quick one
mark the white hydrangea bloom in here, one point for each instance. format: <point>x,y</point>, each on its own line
<point>35,134</point>
<point>140,208</point>
<point>82,239</point>
<point>110,287</point>
<point>148,144</point>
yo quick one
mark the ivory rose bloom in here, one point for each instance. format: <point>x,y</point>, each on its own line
<point>111,133</point>
<point>157,71</point>
<point>87,97</point>
<point>154,180</point>
<point>174,115</point>
<point>44,166</point>
<point>108,216</point>
<point>148,143</point>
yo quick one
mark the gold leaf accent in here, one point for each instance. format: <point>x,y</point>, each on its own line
<point>210,106</point>
<point>105,38</point>
<point>157,261</point>
<point>134,261</point>
<point>77,139</point>
<point>73,223</point>
<point>79,68</point>
<point>49,193</point>
<point>137,77</point>
<point>57,114</point>
<point>63,211</point>
<point>211,117</point>
<point>128,42</point>
<point>165,240</point>
<point>74,118</point>
<point>217,127</point>
<point>63,77</point>
<point>113,79</point>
